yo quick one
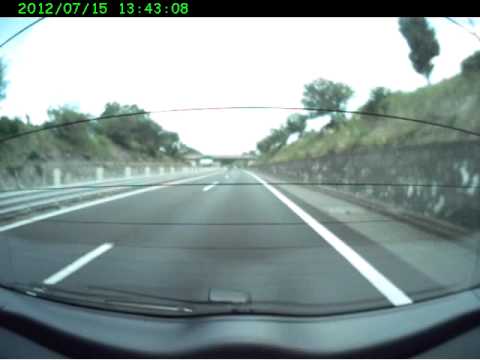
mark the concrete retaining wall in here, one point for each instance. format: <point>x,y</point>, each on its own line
<point>41,174</point>
<point>441,181</point>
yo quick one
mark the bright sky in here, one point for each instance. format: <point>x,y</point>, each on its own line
<point>167,63</point>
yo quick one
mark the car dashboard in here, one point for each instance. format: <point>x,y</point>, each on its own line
<point>443,327</point>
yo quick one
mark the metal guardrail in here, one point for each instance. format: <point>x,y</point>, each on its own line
<point>13,204</point>
<point>50,173</point>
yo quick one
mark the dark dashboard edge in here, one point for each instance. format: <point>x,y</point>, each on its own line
<point>397,332</point>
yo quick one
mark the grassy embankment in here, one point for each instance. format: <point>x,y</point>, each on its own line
<point>454,102</point>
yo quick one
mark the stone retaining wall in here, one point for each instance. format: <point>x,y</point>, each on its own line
<point>438,180</point>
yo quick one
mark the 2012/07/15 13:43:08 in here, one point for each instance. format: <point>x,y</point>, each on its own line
<point>154,9</point>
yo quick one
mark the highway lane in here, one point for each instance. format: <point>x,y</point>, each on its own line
<point>184,240</point>
<point>43,248</point>
<point>16,202</point>
<point>422,263</point>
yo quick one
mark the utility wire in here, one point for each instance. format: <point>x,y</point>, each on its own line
<point>317,110</point>
<point>158,223</point>
<point>275,183</point>
<point>464,27</point>
<point>21,31</point>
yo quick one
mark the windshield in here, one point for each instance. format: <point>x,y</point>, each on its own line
<point>275,166</point>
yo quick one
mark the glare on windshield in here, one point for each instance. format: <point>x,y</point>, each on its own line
<point>282,165</point>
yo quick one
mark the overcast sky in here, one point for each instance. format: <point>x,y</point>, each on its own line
<point>166,63</point>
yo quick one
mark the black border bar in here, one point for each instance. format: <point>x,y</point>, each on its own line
<point>238,8</point>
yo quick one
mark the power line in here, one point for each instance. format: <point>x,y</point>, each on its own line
<point>21,31</point>
<point>317,110</point>
<point>464,27</point>
<point>275,183</point>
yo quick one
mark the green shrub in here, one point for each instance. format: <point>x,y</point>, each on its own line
<point>10,127</point>
<point>471,64</point>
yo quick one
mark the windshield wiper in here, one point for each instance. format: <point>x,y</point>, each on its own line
<point>87,296</point>
<point>220,301</point>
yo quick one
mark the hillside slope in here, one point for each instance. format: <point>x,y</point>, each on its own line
<point>454,102</point>
<point>28,159</point>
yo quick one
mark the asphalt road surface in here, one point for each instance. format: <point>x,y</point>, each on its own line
<point>231,230</point>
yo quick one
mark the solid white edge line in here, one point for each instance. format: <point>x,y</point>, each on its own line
<point>211,186</point>
<point>77,264</point>
<point>97,202</point>
<point>396,296</point>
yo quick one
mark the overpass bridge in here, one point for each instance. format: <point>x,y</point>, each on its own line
<point>222,160</point>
